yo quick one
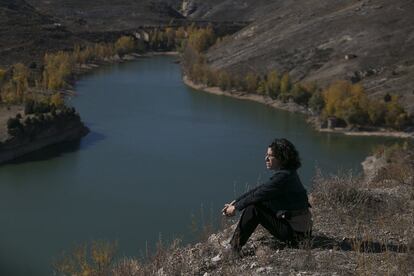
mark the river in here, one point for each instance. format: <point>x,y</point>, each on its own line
<point>159,153</point>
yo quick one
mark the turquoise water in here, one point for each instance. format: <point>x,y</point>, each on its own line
<point>158,153</point>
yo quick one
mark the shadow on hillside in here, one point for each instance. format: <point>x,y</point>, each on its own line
<point>346,244</point>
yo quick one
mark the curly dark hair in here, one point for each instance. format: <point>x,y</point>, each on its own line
<point>286,153</point>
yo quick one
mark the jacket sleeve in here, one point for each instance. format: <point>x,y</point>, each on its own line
<point>267,191</point>
<point>249,192</point>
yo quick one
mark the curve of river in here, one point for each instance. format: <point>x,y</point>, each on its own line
<point>158,154</point>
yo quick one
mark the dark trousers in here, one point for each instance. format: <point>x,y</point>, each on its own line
<point>252,216</point>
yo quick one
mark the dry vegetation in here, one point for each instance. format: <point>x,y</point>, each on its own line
<point>362,226</point>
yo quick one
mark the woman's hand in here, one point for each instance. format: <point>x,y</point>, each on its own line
<point>229,209</point>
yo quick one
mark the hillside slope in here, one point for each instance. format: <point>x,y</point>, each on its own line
<point>370,41</point>
<point>104,15</point>
<point>24,33</point>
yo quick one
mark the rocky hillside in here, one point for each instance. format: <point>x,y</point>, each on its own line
<point>227,10</point>
<point>25,32</point>
<point>368,41</point>
<point>104,15</point>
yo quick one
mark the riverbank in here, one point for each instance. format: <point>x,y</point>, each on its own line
<point>293,107</point>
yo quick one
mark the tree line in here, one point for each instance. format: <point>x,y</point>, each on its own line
<point>342,99</point>
<point>21,83</point>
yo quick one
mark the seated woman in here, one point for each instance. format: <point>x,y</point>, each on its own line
<point>280,205</point>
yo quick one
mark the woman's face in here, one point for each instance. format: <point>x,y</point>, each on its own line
<point>271,161</point>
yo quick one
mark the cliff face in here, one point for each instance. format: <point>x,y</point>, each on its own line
<point>37,132</point>
<point>369,41</point>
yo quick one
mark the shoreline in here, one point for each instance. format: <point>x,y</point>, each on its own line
<point>73,132</point>
<point>292,107</point>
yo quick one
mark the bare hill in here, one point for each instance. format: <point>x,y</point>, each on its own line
<point>104,15</point>
<point>369,41</point>
<point>25,33</point>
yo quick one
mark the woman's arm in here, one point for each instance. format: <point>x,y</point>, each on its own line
<point>264,192</point>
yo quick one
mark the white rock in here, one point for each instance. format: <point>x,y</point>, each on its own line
<point>216,258</point>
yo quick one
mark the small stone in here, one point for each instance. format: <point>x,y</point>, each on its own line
<point>260,270</point>
<point>206,274</point>
<point>216,258</point>
<point>264,269</point>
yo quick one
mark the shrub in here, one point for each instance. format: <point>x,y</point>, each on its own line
<point>124,45</point>
<point>224,81</point>
<point>57,100</point>
<point>95,259</point>
<point>41,107</point>
<point>273,84</point>
<point>14,126</point>
<point>252,82</point>
<point>28,107</point>
<point>58,68</point>
<point>316,102</point>
<point>285,84</point>
<point>300,95</point>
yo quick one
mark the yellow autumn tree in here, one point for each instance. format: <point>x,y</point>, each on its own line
<point>273,84</point>
<point>58,68</point>
<point>20,79</point>
<point>57,100</point>
<point>285,84</point>
<point>252,82</point>
<point>124,44</point>
<point>201,39</point>
<point>346,101</point>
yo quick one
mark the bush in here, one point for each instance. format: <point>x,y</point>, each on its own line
<point>124,45</point>
<point>14,127</point>
<point>252,82</point>
<point>300,95</point>
<point>316,102</point>
<point>57,100</point>
<point>273,84</point>
<point>28,107</point>
<point>41,107</point>
<point>95,259</point>
<point>224,81</point>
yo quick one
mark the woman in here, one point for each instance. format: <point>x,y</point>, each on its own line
<point>280,205</point>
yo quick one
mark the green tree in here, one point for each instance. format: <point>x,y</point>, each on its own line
<point>316,102</point>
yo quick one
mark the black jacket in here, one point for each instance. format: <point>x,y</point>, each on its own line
<point>283,191</point>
